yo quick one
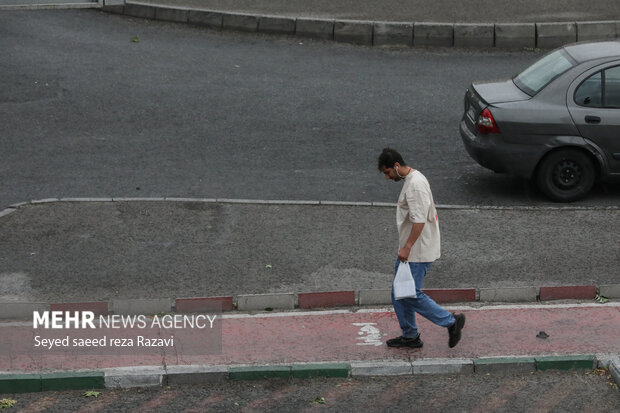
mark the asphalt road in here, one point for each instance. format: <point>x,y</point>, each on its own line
<point>87,112</point>
<point>568,392</point>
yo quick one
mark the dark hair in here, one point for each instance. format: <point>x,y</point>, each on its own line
<point>389,157</point>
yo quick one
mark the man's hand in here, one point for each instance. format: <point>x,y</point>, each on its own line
<point>403,253</point>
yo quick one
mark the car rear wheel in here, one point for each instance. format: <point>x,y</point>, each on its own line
<point>566,175</point>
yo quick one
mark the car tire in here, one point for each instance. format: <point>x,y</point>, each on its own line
<point>566,175</point>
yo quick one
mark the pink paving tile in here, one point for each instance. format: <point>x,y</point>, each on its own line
<point>351,336</point>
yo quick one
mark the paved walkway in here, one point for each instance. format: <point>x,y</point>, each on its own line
<point>476,24</point>
<point>324,336</point>
<point>449,11</point>
<point>437,11</point>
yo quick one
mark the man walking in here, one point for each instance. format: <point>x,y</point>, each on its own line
<point>419,246</point>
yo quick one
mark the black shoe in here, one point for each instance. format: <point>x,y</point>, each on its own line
<point>405,342</point>
<point>455,330</point>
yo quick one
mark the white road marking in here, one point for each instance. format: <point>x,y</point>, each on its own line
<point>369,334</point>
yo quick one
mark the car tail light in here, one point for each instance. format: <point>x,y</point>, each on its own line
<point>486,123</point>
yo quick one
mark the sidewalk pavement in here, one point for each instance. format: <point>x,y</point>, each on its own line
<point>337,343</point>
<point>287,256</point>
<point>437,11</point>
<point>505,24</point>
<point>471,24</point>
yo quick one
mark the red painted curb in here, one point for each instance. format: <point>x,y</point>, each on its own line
<point>197,304</point>
<point>568,292</point>
<point>453,295</point>
<point>326,299</point>
<point>97,307</point>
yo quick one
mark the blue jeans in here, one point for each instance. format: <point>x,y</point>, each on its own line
<point>424,305</point>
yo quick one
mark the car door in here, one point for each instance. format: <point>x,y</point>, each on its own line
<point>593,100</point>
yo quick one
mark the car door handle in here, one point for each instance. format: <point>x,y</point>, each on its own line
<point>593,119</point>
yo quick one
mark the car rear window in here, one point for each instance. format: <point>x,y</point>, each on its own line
<point>533,79</point>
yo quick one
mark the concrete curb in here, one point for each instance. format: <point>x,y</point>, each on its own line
<point>261,302</point>
<point>7,212</point>
<point>200,304</point>
<point>443,366</point>
<point>12,208</point>
<point>154,376</point>
<point>565,362</point>
<point>382,33</point>
<point>292,301</point>
<point>381,368</point>
<point>297,371</point>
<point>195,374</point>
<point>56,381</point>
<point>552,35</point>
<point>127,377</point>
<point>614,369</point>
<point>77,5</point>
<point>515,36</point>
<point>21,311</point>
<point>497,365</point>
<point>510,294</point>
<point>611,363</point>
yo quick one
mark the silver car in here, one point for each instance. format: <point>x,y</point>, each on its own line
<point>557,122</point>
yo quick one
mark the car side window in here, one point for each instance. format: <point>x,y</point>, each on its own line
<point>590,92</point>
<point>612,88</point>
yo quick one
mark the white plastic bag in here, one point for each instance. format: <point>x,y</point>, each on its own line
<point>404,284</point>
